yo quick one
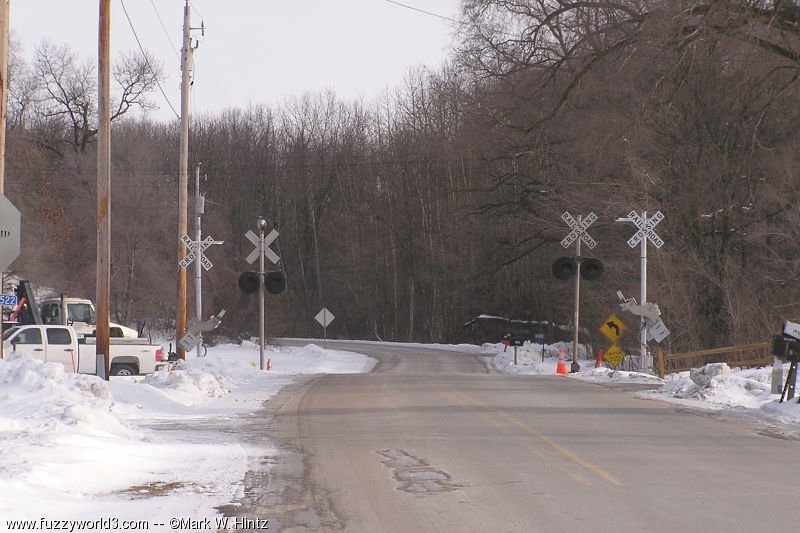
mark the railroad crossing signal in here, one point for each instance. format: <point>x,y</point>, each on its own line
<point>645,226</point>
<point>268,239</point>
<point>578,230</point>
<point>192,246</point>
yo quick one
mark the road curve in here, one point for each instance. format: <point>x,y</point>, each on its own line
<point>432,441</point>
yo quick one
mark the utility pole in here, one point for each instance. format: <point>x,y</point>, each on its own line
<point>198,270</point>
<point>103,289</point>
<point>4,13</point>
<point>183,177</point>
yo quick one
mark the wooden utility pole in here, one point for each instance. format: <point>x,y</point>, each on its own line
<point>183,181</point>
<point>103,290</point>
<point>4,12</point>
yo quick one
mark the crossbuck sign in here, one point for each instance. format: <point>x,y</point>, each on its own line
<point>268,253</point>
<point>192,246</point>
<point>645,226</point>
<point>578,230</point>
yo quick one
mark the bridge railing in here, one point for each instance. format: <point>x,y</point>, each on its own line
<point>744,356</point>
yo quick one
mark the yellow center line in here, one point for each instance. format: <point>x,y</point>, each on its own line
<point>453,399</point>
<point>584,463</point>
<point>502,427</point>
<point>470,403</point>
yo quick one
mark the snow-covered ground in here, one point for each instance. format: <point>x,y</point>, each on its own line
<point>717,387</point>
<point>74,447</point>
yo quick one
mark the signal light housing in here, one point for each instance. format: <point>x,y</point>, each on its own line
<point>591,269</point>
<point>275,282</point>
<point>249,282</point>
<point>564,268</point>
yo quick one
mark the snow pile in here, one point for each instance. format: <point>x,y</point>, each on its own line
<point>73,446</point>
<point>715,386</point>
<point>607,375</point>
<point>535,358</point>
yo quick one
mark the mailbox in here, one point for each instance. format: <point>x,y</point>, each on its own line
<point>786,348</point>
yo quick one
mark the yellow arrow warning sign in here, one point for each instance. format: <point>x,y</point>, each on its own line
<point>613,328</point>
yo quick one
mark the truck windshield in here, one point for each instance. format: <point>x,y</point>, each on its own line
<point>80,313</point>
<point>7,333</point>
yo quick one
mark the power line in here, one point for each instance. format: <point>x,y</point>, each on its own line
<point>169,39</point>
<point>412,8</point>
<point>141,48</point>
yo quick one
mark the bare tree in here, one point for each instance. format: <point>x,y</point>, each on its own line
<point>67,90</point>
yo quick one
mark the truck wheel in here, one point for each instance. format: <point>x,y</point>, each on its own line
<point>123,370</point>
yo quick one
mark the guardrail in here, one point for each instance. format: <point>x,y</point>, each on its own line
<point>701,355</point>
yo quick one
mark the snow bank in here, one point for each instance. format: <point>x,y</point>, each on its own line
<point>715,386</point>
<point>74,446</point>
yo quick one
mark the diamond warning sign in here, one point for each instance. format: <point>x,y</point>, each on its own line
<point>613,328</point>
<point>614,355</point>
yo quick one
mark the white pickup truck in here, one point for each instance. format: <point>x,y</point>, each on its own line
<point>80,314</point>
<point>60,344</point>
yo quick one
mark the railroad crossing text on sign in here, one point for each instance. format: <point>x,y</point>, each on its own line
<point>613,328</point>
<point>193,253</point>
<point>645,229</point>
<point>614,355</point>
<point>578,230</point>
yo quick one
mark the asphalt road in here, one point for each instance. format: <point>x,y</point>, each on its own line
<point>432,441</point>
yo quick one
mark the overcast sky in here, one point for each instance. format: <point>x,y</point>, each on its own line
<point>255,51</point>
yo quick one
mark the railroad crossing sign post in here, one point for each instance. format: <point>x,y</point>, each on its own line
<point>195,249</point>
<point>261,250</point>
<point>643,234</point>
<point>324,317</point>
<point>576,235</point>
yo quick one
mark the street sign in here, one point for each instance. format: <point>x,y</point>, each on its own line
<point>268,239</point>
<point>324,317</point>
<point>8,300</point>
<point>613,328</point>
<point>614,355</point>
<point>578,230</point>
<point>645,229</point>
<point>10,223</point>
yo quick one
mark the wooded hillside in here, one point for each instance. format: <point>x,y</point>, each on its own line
<point>410,214</point>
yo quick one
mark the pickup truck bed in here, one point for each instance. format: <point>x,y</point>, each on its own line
<point>61,344</point>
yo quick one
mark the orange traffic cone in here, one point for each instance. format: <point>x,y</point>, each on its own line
<point>561,368</point>
<point>599,361</point>
<point>269,364</point>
